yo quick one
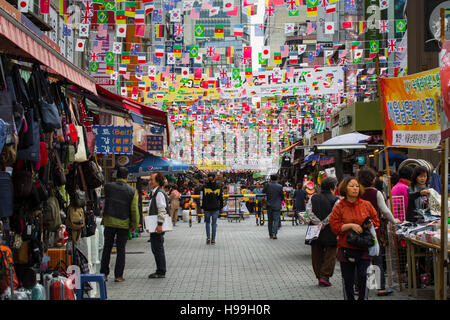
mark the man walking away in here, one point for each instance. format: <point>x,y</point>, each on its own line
<point>158,207</point>
<point>275,195</point>
<point>121,213</point>
<point>212,203</point>
<point>299,201</point>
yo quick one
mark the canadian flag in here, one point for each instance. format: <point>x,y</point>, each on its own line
<point>329,27</point>
<point>265,54</point>
<point>80,45</point>
<point>185,72</point>
<point>23,5</point>
<point>122,30</point>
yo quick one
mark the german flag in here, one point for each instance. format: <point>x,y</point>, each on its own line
<point>218,31</point>
<point>159,30</point>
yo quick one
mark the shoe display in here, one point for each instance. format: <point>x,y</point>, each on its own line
<point>156,275</point>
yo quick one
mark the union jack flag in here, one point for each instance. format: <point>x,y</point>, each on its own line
<point>384,26</point>
<point>179,29</point>
<point>392,45</point>
<point>86,18</point>
<point>211,51</point>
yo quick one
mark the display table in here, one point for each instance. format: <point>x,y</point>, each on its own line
<point>413,252</point>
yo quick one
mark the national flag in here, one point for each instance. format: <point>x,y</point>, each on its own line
<point>102,17</point>
<point>110,5</point>
<point>157,16</point>
<point>261,73</point>
<point>140,30</point>
<point>301,48</point>
<point>159,50</point>
<point>248,73</point>
<point>93,66</point>
<point>141,57</point>
<point>199,30</point>
<point>109,68</point>
<point>346,25</point>
<point>170,58</point>
<point>117,47</point>
<point>148,6</point>
<point>362,27</point>
<point>355,44</point>
<point>293,12</point>
<point>329,27</point>
<point>248,52</point>
<point>228,5</point>
<point>311,7</point>
<point>121,31</point>
<point>374,46</point>
<point>214,11</point>
<point>259,30</point>
<point>177,50</point>
<point>80,45</point>
<point>238,30</point>
<point>310,27</point>
<point>261,59</point>
<point>384,4</point>
<point>211,51</point>
<point>44,6</point>
<point>251,10</point>
<point>284,50</point>
<point>193,51</point>
<point>121,18</point>
<point>195,13</point>
<point>289,27</point>
<point>151,72</point>
<point>62,7</point>
<point>185,58</point>
<point>178,29</point>
<point>293,57</point>
<point>236,73</point>
<point>230,54</point>
<point>159,30</point>
<point>126,57</point>
<point>270,11</point>
<point>109,57</point>
<point>400,25</point>
<point>84,30</point>
<point>23,6</point>
<point>392,45</point>
<point>384,26</point>
<point>175,15</point>
<point>277,57</point>
<point>139,17</point>
<point>130,8</point>
<point>185,72</point>
<point>198,59</point>
<point>265,54</point>
<point>218,31</point>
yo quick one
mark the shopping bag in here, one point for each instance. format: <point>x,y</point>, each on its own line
<point>151,222</point>
<point>375,249</point>
<point>312,233</point>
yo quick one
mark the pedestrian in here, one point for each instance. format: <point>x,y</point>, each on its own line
<point>349,214</point>
<point>174,199</point>
<point>299,201</point>
<point>196,201</point>
<point>367,178</point>
<point>212,203</point>
<point>323,250</point>
<point>158,206</point>
<point>275,195</point>
<point>120,214</point>
<point>418,194</point>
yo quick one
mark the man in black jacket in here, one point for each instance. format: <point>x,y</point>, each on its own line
<point>275,195</point>
<point>212,202</point>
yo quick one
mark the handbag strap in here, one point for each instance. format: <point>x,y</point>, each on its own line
<point>83,182</point>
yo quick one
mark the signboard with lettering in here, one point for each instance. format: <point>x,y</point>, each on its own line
<point>155,143</point>
<point>113,139</point>
<point>411,108</point>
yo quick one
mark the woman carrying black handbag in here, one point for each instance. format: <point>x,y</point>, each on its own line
<point>347,216</point>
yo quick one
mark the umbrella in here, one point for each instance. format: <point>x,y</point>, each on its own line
<point>349,138</point>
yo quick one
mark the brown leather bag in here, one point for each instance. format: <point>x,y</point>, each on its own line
<point>8,156</point>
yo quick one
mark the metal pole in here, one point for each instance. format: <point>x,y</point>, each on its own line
<point>388,170</point>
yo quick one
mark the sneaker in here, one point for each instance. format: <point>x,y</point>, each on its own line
<point>213,241</point>
<point>156,275</point>
<point>120,279</point>
<point>208,241</point>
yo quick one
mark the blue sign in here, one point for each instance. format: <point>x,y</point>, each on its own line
<point>113,139</point>
<point>155,143</point>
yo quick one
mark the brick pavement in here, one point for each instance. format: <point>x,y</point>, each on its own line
<point>244,264</point>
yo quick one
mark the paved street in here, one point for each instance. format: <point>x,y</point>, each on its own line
<point>244,264</point>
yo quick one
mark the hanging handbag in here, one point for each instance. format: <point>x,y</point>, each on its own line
<point>23,182</point>
<point>80,155</point>
<point>59,178</point>
<point>6,195</point>
<point>68,154</point>
<point>93,174</point>
<point>31,153</point>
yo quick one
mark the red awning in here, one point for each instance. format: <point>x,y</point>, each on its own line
<point>31,46</point>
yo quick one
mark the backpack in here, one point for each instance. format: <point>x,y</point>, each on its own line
<point>75,218</point>
<point>52,216</point>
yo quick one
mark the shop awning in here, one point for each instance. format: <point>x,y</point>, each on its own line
<point>291,146</point>
<point>17,40</point>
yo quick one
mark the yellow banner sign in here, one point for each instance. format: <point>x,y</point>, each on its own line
<point>411,109</point>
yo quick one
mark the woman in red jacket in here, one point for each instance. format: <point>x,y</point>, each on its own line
<point>349,214</point>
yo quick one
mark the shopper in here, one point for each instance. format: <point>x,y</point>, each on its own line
<point>299,199</point>
<point>367,178</point>
<point>158,206</point>
<point>120,214</point>
<point>212,203</point>
<point>349,214</point>
<point>275,195</point>
<point>418,194</point>
<point>400,193</point>
<point>323,250</point>
<point>174,199</point>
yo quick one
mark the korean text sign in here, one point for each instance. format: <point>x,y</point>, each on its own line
<point>113,139</point>
<point>411,109</point>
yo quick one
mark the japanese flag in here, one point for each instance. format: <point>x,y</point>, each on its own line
<point>123,91</point>
<point>228,5</point>
<point>84,30</point>
<point>184,72</point>
<point>122,30</point>
<point>23,5</point>
<point>329,27</point>
<point>198,59</point>
<point>80,45</point>
<point>265,54</point>
<point>357,54</point>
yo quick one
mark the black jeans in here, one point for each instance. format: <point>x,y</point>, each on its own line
<point>157,244</point>
<point>348,278</point>
<point>121,241</point>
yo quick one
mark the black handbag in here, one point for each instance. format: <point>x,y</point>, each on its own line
<point>90,224</point>
<point>93,174</point>
<point>362,240</point>
<point>59,178</point>
<point>23,182</point>
<point>78,199</point>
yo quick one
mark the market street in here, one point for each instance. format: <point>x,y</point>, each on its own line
<point>244,264</point>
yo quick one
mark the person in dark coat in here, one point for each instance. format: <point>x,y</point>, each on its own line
<point>275,195</point>
<point>323,250</point>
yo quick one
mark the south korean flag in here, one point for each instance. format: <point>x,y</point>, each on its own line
<point>117,47</point>
<point>170,58</point>
<point>114,75</point>
<point>175,15</point>
<point>84,30</point>
<point>301,48</point>
<point>151,72</point>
